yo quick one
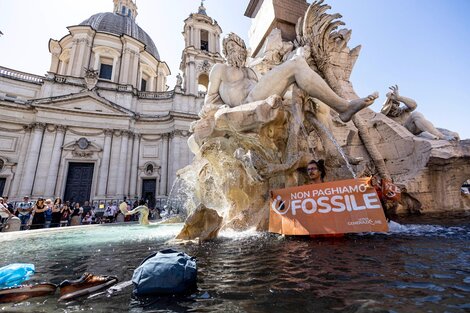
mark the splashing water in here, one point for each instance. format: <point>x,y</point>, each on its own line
<point>173,198</point>
<point>336,144</point>
<point>425,230</point>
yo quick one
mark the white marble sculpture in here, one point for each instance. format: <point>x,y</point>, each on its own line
<point>412,120</point>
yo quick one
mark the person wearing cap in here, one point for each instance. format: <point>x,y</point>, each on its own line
<point>413,121</point>
<point>24,209</point>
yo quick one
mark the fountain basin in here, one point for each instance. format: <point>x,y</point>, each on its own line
<point>416,267</point>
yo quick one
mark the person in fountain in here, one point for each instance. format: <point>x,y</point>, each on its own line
<point>316,172</point>
<point>413,121</point>
<point>143,211</point>
<point>234,84</point>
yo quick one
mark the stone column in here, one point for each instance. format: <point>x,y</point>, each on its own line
<point>192,83</point>
<point>134,70</point>
<point>32,159</point>
<point>175,159</point>
<point>134,166</point>
<point>104,164</point>
<point>82,44</point>
<point>191,36</point>
<point>21,163</point>
<point>114,163</point>
<point>125,66</point>
<point>121,170</point>
<point>55,161</point>
<point>130,146</point>
<point>72,57</point>
<point>164,158</point>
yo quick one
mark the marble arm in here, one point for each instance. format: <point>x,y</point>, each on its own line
<point>410,103</point>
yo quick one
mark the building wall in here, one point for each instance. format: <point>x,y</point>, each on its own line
<point>39,137</point>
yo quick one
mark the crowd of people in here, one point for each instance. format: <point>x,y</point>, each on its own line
<point>46,213</point>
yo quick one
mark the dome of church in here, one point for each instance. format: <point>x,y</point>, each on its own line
<point>119,24</point>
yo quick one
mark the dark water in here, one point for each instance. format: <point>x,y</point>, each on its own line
<point>418,267</point>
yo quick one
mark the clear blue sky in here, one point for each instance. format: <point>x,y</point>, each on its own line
<point>421,45</point>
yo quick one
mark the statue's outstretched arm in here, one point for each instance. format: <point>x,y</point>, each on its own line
<point>395,95</point>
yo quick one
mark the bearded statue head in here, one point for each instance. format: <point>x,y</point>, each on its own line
<point>235,54</point>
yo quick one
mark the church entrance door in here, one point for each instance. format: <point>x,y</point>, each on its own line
<point>79,179</point>
<point>2,185</point>
<point>149,186</point>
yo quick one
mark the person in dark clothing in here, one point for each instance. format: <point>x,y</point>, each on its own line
<point>39,218</point>
<point>86,208</point>
<point>56,212</point>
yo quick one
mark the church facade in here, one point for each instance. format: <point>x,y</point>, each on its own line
<point>103,124</point>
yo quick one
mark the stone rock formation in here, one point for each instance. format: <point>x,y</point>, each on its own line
<point>203,224</point>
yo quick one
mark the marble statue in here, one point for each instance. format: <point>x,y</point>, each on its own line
<point>234,84</point>
<point>412,120</point>
<point>260,126</point>
<point>179,80</point>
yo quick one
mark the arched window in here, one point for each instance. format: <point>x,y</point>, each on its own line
<point>203,82</point>
<point>204,40</point>
<point>149,169</point>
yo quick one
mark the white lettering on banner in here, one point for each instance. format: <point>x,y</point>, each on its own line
<point>338,206</point>
<point>324,204</point>
<point>300,195</point>
<point>369,199</point>
<point>333,191</point>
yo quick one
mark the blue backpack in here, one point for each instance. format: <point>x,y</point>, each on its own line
<point>165,272</point>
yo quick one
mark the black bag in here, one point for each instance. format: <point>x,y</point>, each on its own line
<point>165,272</point>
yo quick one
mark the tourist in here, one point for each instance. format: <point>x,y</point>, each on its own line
<point>5,214</point>
<point>38,216</point>
<point>86,208</point>
<point>316,172</point>
<point>75,218</point>
<point>23,210</point>
<point>87,219</point>
<point>48,213</point>
<point>65,212</point>
<point>56,212</point>
<point>8,205</point>
<point>143,211</point>
<point>108,215</point>
<point>234,84</point>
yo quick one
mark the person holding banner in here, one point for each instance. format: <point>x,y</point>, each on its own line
<point>316,172</point>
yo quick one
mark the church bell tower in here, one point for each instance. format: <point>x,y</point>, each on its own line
<point>201,51</point>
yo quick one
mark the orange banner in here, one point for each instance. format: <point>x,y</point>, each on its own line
<point>345,206</point>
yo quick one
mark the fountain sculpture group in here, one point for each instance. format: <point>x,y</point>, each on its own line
<point>262,123</point>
